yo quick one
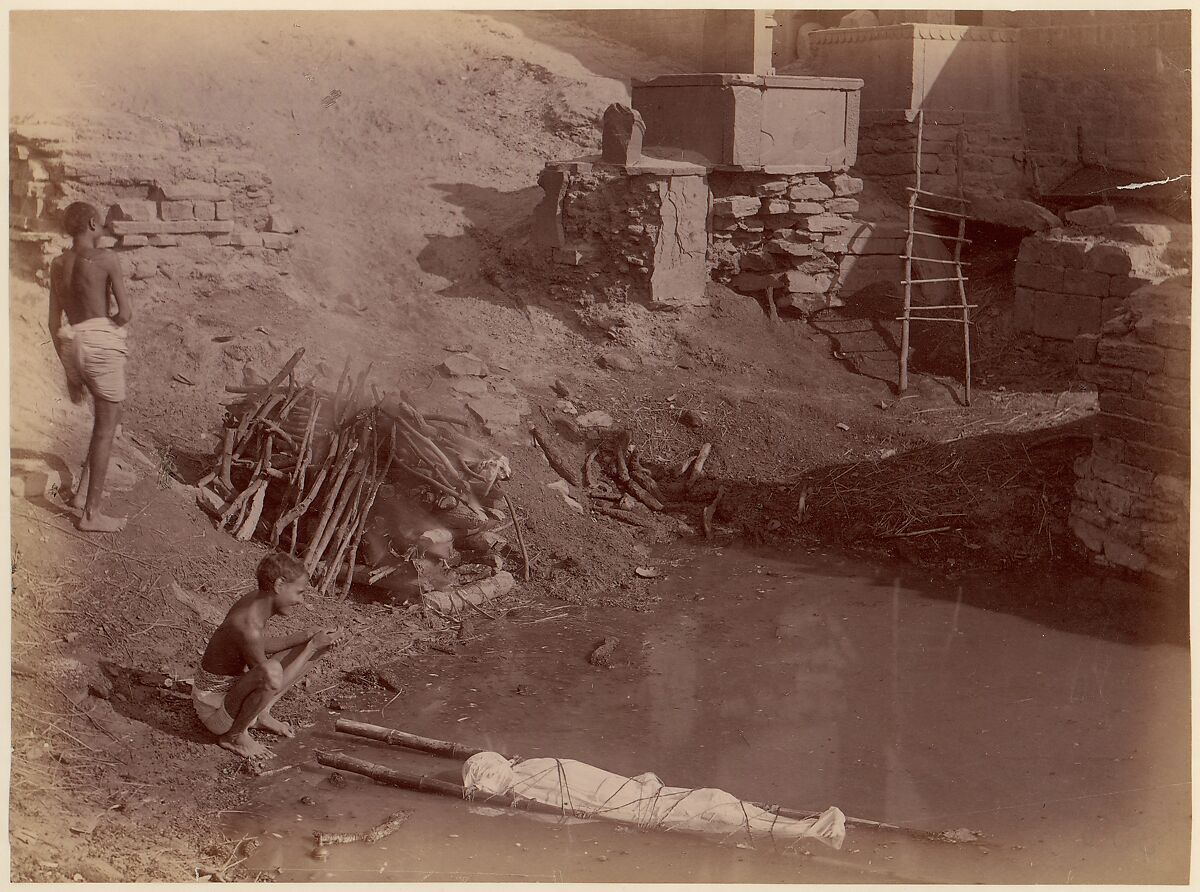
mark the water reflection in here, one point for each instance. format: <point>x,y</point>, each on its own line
<point>810,682</point>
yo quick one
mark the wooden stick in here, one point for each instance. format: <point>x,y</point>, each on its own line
<point>642,496</point>
<point>294,515</point>
<point>436,484</point>
<point>392,737</point>
<point>520,536</point>
<point>250,524</point>
<point>245,432</point>
<point>331,499</point>
<point>710,512</point>
<point>588,478</point>
<point>341,529</point>
<point>448,419</point>
<point>619,455</point>
<point>335,505</point>
<point>236,503</point>
<point>697,466</point>
<point>801,815</point>
<point>362,525</point>
<point>560,466</point>
<point>625,516</point>
<point>389,825</point>
<point>227,458</point>
<point>771,308</point>
<point>353,516</point>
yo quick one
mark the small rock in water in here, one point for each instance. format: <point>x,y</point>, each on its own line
<point>320,853</point>
<point>602,655</point>
<point>337,780</point>
<point>307,800</point>
<point>842,426</point>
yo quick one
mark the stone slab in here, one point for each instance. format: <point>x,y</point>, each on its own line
<point>176,210</point>
<point>494,413</point>
<point>464,365</point>
<point>164,227</point>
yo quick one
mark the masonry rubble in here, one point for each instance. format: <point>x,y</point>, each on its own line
<point>1131,501</point>
<point>1068,280</point>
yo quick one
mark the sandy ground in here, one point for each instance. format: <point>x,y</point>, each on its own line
<point>411,190</point>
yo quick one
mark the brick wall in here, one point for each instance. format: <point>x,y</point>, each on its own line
<point>987,154</point>
<point>1131,496</point>
<point>1116,95</point>
<point>160,198</point>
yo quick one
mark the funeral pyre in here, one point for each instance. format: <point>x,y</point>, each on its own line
<point>362,487</point>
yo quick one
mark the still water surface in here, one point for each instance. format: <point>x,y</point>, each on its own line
<point>1050,715</point>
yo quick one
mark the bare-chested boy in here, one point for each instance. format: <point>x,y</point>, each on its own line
<point>92,348</point>
<point>243,672</point>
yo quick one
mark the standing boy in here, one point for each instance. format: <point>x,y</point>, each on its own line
<point>92,348</point>
<point>243,672</point>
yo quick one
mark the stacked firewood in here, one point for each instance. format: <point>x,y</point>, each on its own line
<point>302,469</point>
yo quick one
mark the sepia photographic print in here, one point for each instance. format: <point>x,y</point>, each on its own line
<point>648,445</point>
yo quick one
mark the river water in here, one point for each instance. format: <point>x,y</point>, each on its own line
<point>1050,716</point>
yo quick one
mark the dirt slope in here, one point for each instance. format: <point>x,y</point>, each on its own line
<point>407,148</point>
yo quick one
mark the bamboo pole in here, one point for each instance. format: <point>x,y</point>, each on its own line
<point>392,737</point>
<point>425,784</point>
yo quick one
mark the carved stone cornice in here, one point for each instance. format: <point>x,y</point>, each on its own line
<point>914,31</point>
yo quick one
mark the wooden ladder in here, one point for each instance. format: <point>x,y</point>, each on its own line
<point>915,197</point>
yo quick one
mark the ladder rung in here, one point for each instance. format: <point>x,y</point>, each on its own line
<point>944,306</point>
<point>925,281</point>
<point>935,319</point>
<point>933,260</point>
<point>918,207</point>
<point>937,194</point>
<point>949,238</point>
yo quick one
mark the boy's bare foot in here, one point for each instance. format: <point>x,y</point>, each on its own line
<point>101,523</point>
<point>268,722</point>
<point>244,745</point>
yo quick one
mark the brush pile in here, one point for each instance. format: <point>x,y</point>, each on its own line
<point>357,485</point>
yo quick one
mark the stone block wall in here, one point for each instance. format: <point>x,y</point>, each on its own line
<point>1115,95</point>
<point>149,200</point>
<point>1131,495</point>
<point>986,155</point>
<point>1069,281</point>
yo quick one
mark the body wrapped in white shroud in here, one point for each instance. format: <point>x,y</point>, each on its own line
<point>586,791</point>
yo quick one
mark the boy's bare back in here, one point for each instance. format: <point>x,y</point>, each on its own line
<point>82,281</point>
